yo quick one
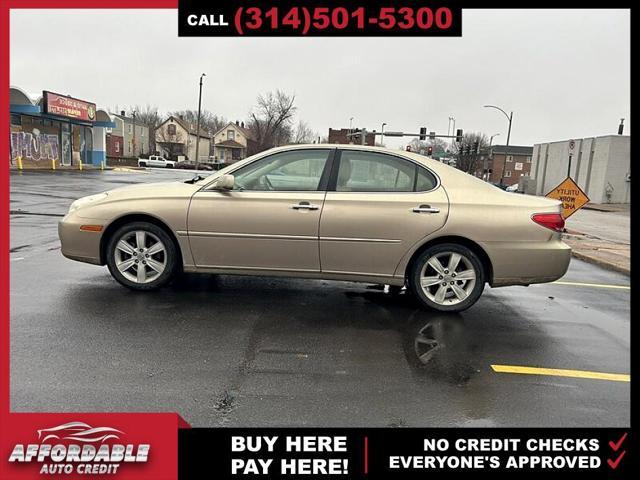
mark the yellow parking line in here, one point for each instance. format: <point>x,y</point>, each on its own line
<point>594,285</point>
<point>557,372</point>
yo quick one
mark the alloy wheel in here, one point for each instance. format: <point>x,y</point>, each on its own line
<point>448,278</point>
<point>140,256</point>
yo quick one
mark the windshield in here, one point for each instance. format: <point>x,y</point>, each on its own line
<point>229,168</point>
<point>206,179</point>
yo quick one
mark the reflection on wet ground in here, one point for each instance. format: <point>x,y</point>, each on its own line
<point>436,344</point>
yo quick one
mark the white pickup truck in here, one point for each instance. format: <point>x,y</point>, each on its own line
<point>156,161</point>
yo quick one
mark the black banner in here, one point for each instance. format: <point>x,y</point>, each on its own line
<point>403,453</point>
<point>319,18</point>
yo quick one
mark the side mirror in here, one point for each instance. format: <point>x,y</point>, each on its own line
<point>224,182</point>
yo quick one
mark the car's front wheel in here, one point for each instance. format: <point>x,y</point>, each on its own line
<point>141,256</point>
<point>448,277</point>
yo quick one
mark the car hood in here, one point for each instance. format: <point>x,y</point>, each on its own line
<point>152,190</point>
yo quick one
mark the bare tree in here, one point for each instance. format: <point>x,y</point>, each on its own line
<point>150,118</point>
<point>209,121</point>
<point>438,145</point>
<point>469,151</point>
<point>270,120</point>
<point>303,133</point>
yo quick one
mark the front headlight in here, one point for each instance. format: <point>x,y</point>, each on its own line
<point>81,202</point>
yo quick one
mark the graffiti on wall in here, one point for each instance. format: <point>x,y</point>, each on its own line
<point>34,146</point>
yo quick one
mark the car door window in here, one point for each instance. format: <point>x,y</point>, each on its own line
<point>374,172</point>
<point>426,180</point>
<point>297,170</point>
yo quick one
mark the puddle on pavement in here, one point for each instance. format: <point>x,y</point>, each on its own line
<point>437,345</point>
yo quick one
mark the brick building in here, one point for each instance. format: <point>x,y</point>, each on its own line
<point>340,136</point>
<point>507,164</point>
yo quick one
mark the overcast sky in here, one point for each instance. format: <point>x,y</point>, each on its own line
<point>565,74</point>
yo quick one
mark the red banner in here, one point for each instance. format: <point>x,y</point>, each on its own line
<point>118,446</point>
<point>69,107</point>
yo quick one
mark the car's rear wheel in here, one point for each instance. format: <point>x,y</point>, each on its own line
<point>448,277</point>
<point>141,256</point>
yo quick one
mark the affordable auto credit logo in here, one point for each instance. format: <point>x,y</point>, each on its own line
<point>79,448</point>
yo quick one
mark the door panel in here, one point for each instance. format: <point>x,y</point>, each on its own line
<point>269,221</point>
<point>368,233</point>
<point>256,230</point>
<point>377,207</point>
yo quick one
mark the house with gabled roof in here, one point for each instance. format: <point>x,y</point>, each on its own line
<point>232,142</point>
<point>175,137</point>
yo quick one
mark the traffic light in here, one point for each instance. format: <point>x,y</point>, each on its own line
<point>476,147</point>
<point>459,135</point>
<point>429,151</point>
<point>423,133</point>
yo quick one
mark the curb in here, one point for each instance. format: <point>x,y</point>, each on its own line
<point>601,263</point>
<point>599,208</point>
<point>61,169</point>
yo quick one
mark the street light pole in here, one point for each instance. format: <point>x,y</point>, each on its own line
<point>382,135</point>
<point>453,130</point>
<point>198,121</point>
<point>509,117</point>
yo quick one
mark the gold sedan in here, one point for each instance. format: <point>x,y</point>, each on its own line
<point>345,212</point>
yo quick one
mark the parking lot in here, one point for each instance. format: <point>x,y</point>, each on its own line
<point>249,351</point>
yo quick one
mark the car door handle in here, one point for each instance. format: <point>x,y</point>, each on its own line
<point>425,209</point>
<point>305,206</point>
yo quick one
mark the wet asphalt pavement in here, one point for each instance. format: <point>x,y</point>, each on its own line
<point>249,351</point>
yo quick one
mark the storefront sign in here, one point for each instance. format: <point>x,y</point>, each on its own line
<point>69,107</point>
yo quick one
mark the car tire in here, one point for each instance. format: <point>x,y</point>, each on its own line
<point>142,164</point>
<point>439,288</point>
<point>142,256</point>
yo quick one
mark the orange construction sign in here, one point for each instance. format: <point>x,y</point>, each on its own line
<point>571,196</point>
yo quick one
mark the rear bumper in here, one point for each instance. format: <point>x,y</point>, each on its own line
<point>524,263</point>
<point>80,245</point>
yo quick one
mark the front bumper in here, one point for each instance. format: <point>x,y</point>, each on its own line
<point>524,263</point>
<point>80,245</point>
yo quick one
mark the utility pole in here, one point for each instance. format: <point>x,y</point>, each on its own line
<point>382,135</point>
<point>487,175</point>
<point>198,121</point>
<point>134,134</point>
<point>350,126</point>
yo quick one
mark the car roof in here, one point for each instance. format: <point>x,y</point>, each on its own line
<point>398,152</point>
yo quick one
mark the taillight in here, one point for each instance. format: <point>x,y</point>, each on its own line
<point>552,221</point>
